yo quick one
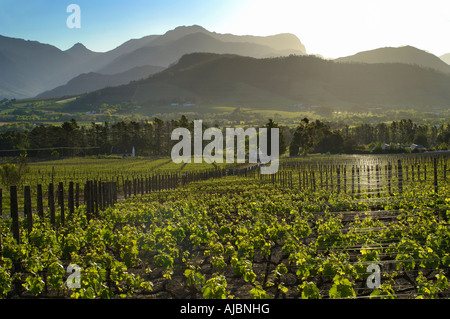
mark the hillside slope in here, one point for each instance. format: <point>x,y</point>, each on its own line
<point>88,82</point>
<point>406,54</point>
<point>218,79</point>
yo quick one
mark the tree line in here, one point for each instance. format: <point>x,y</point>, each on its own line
<point>153,138</point>
<point>318,137</point>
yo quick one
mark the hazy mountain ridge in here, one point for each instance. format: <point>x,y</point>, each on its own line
<point>445,58</point>
<point>30,68</point>
<point>88,82</point>
<point>164,55</point>
<point>405,54</point>
<point>216,79</point>
<point>79,52</point>
<point>282,41</point>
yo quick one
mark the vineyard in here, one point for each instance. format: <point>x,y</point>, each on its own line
<point>322,227</point>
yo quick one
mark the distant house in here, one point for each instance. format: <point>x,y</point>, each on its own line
<point>382,147</point>
<point>124,151</point>
<point>417,147</point>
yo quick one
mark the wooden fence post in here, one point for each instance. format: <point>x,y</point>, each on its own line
<point>345,179</point>
<point>129,188</point>
<point>299,180</point>
<point>51,204</point>
<point>378,180</point>
<point>146,185</point>
<point>95,197</point>
<point>114,195</point>
<point>389,176</point>
<point>109,193</point>
<point>77,195</point>
<point>291,182</point>
<point>359,179</point>
<point>61,202</point>
<point>425,172</point>
<point>70,202</point>
<point>331,178</point>
<point>101,195</point>
<point>14,213</point>
<point>435,175</point>
<point>445,172</point>
<point>400,176</point>
<point>40,202</point>
<point>27,208</point>
<point>338,172</point>
<point>353,180</point>
<point>87,200</point>
<point>321,181</point>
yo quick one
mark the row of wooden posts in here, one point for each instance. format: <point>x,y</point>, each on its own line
<point>143,185</point>
<point>97,195</point>
<point>335,177</point>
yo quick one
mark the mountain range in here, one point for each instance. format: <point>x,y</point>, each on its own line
<point>405,54</point>
<point>30,68</point>
<point>224,79</point>
<point>92,81</point>
<point>192,63</point>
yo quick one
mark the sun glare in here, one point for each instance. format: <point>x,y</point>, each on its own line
<point>339,28</point>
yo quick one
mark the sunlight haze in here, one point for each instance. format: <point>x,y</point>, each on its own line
<point>329,28</point>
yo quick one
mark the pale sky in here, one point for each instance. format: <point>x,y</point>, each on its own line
<point>331,28</point>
